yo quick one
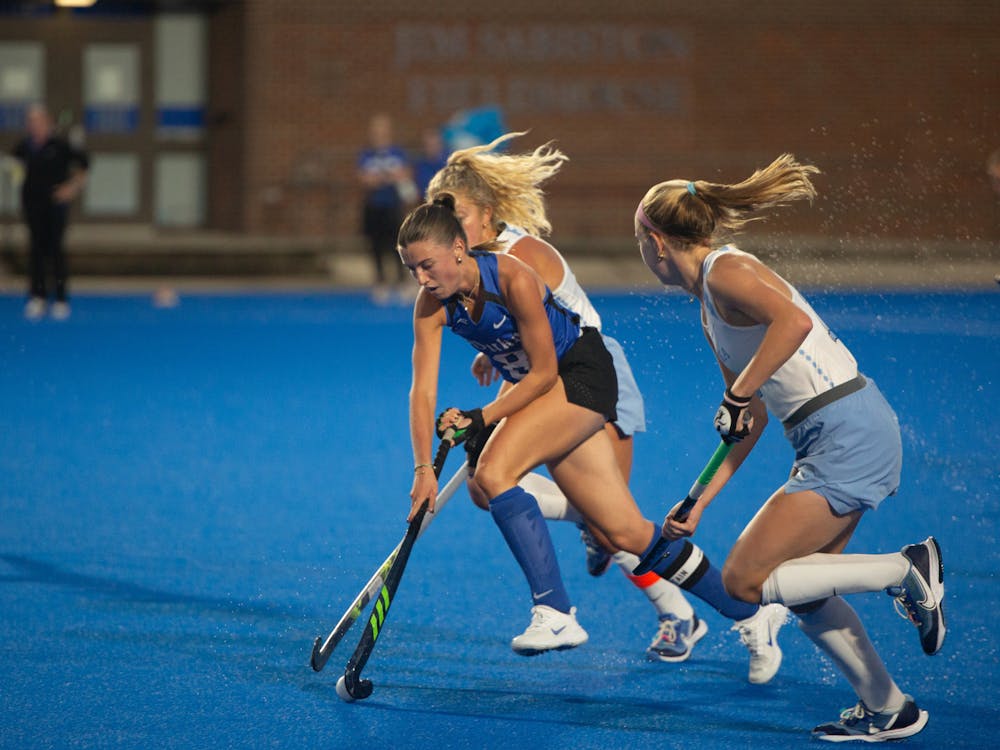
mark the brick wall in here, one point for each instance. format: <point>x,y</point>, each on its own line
<point>898,104</point>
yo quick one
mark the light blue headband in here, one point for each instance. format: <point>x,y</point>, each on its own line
<point>690,187</point>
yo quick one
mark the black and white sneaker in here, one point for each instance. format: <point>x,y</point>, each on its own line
<point>598,558</point>
<point>920,596</point>
<point>859,724</point>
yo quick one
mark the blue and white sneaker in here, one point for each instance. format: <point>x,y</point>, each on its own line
<point>598,558</point>
<point>759,633</point>
<point>550,630</point>
<point>920,596</point>
<point>675,638</point>
<point>860,724</point>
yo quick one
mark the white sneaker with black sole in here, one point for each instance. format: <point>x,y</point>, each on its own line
<point>861,724</point>
<point>759,634</point>
<point>550,630</point>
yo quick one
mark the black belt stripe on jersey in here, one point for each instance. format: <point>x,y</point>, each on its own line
<point>816,403</point>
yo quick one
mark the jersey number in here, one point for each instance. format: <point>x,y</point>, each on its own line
<point>516,364</point>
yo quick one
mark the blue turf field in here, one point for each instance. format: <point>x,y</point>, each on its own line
<point>189,496</point>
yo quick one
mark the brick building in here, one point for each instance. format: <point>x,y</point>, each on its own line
<point>898,104</point>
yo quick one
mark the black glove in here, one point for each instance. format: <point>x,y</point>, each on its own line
<point>465,432</point>
<point>733,420</point>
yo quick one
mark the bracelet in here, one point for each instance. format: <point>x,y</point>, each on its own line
<point>418,467</point>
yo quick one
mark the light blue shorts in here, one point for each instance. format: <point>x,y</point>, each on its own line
<point>631,410</point>
<point>849,451</point>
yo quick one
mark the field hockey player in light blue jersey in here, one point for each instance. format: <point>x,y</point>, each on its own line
<point>778,356</point>
<point>560,383</point>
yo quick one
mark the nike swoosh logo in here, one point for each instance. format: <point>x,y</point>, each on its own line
<point>539,596</point>
<point>502,320</point>
<point>927,602</point>
<point>557,631</point>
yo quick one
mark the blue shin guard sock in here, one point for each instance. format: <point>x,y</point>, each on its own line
<point>520,521</point>
<point>688,567</point>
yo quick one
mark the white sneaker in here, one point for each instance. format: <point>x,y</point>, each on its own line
<point>550,630</point>
<point>35,308</point>
<point>760,635</point>
<point>60,311</point>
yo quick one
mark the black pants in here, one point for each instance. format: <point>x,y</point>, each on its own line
<point>47,226</point>
<point>381,227</point>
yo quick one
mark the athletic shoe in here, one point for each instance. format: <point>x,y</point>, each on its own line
<point>759,634</point>
<point>860,724</point>
<point>920,596</point>
<point>675,638</point>
<point>35,308</point>
<point>550,630</point>
<point>60,311</point>
<point>598,558</point>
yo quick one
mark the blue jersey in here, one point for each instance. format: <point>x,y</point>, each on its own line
<point>381,161</point>
<point>496,334</point>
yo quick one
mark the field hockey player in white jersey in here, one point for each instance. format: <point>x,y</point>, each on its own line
<point>499,201</point>
<point>777,356</point>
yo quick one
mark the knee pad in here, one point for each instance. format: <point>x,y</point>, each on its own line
<point>687,567</point>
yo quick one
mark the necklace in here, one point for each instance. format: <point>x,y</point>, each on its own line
<point>470,298</point>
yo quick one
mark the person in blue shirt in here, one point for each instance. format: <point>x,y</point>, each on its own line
<point>433,158</point>
<point>560,389</point>
<point>385,174</point>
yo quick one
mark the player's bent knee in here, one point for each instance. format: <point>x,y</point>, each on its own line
<point>628,539</point>
<point>492,479</point>
<point>739,586</point>
<point>479,497</point>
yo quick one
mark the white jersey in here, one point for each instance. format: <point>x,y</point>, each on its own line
<point>821,363</point>
<point>569,293</point>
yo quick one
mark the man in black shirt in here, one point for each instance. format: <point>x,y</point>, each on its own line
<point>55,172</point>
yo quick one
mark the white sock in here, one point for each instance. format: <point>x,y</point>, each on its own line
<point>836,629</point>
<point>664,596</point>
<point>551,500</point>
<point>820,576</point>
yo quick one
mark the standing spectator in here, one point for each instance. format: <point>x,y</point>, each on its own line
<point>432,159</point>
<point>385,174</point>
<point>55,173</point>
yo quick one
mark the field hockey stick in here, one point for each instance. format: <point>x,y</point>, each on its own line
<point>659,551</point>
<point>322,649</point>
<point>350,686</point>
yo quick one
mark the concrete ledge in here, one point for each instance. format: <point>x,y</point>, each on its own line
<point>144,255</point>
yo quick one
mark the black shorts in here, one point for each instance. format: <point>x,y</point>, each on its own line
<point>588,375</point>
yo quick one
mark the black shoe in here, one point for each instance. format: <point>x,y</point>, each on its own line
<point>859,724</point>
<point>921,593</point>
<point>598,558</point>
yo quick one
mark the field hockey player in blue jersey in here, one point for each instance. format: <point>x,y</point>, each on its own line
<point>777,356</point>
<point>499,201</point>
<point>560,383</point>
